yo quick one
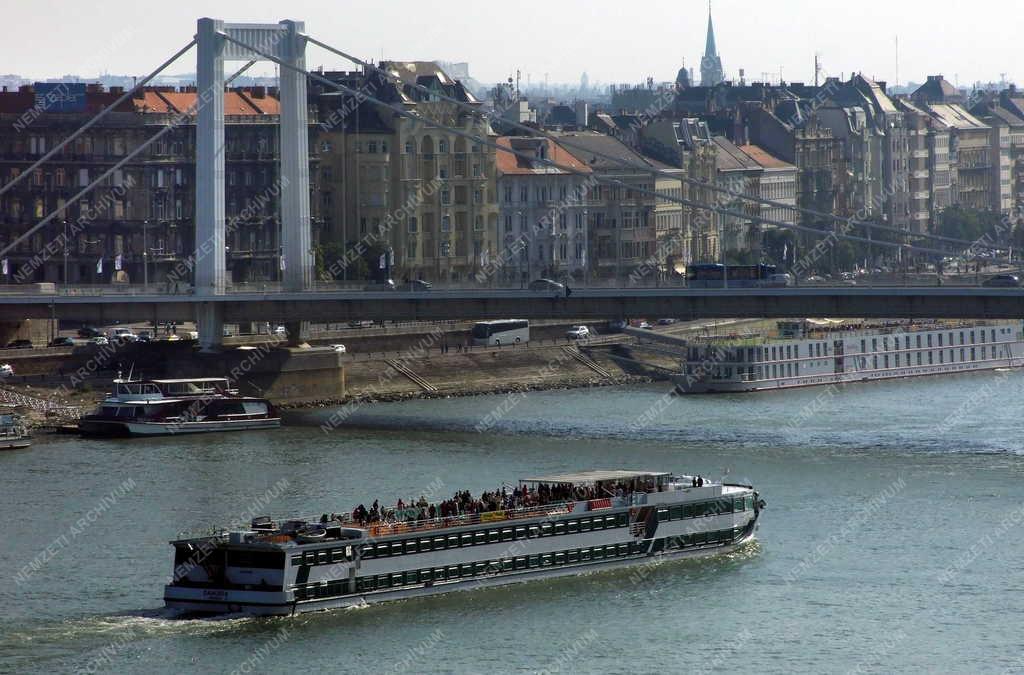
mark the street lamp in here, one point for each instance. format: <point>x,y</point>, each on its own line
<point>145,254</point>
<point>65,256</point>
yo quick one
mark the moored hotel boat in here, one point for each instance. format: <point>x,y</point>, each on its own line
<point>816,352</point>
<point>563,527</point>
<point>184,406</point>
<point>14,434</point>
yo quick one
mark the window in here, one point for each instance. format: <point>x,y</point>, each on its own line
<point>442,146</point>
<point>410,148</point>
<point>413,224</point>
<point>446,223</point>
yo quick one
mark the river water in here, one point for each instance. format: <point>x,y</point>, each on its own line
<point>891,541</point>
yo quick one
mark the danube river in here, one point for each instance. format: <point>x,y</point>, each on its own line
<point>891,540</point>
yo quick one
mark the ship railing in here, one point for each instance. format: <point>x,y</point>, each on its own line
<point>386,529</point>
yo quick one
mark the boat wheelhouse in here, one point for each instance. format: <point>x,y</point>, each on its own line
<point>555,526</point>
<point>164,407</point>
<point>815,352</point>
<point>14,434</point>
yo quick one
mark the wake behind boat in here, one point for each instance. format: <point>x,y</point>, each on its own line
<point>185,406</point>
<point>546,527</point>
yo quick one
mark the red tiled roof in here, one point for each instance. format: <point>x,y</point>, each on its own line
<point>235,103</point>
<point>509,163</point>
<point>762,157</point>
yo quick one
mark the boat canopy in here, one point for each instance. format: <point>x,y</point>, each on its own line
<point>591,477</point>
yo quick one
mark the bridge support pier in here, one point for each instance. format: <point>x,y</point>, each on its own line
<point>298,332</point>
<point>210,324</point>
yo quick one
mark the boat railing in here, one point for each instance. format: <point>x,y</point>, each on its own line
<point>386,529</point>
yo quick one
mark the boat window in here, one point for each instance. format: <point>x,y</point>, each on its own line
<point>323,557</point>
<point>479,567</point>
<point>479,537</point>
<point>338,555</point>
<point>547,559</point>
<point>585,524</point>
<point>466,539</point>
<point>366,553</point>
<point>520,533</point>
<point>297,559</point>
<point>506,565</point>
<point>492,536</point>
<point>560,558</point>
<point>453,541</point>
<point>598,523</point>
<point>439,574</point>
<point>737,504</point>
<point>396,579</point>
<point>573,556</point>
<point>534,531</point>
<point>560,528</point>
<point>573,526</point>
<point>585,554</point>
<point>534,561</point>
<point>453,572</point>
<point>725,506</point>
<point>609,521</point>
<point>750,501</point>
<point>623,549</point>
<point>662,514</point>
<point>622,519</point>
<point>410,546</point>
<point>520,563</point>
<point>506,534</point>
<point>546,529</point>
<point>598,552</point>
<point>466,570</point>
<point>310,557</point>
<point>438,543</point>
<point>424,576</point>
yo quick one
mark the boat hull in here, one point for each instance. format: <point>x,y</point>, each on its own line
<point>110,428</point>
<point>20,444</point>
<point>255,603</point>
<point>687,385</point>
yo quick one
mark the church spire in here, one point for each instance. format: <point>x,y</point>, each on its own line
<point>711,71</point>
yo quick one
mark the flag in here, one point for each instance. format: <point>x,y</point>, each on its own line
<point>117,262</point>
<point>383,261</point>
<point>99,266</point>
<point>282,264</point>
<point>4,265</point>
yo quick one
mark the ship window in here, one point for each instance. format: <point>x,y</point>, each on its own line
<point>534,561</point>
<point>560,528</point>
<point>466,570</point>
<point>560,558</point>
<point>439,574</point>
<point>479,567</point>
<point>585,554</point>
<point>598,523</point>
<point>506,534</point>
<point>573,556</point>
<point>453,572</point>
<point>725,506</point>
<point>546,529</point>
<point>687,510</point>
<point>310,557</point>
<point>520,563</point>
<point>506,566</point>
<point>699,538</point>
<point>492,536</point>
<point>438,543</point>
<point>547,559</point>
<point>424,576</point>
<point>410,546</point>
<point>322,557</point>
<point>622,519</point>
<point>573,526</point>
<point>453,541</point>
<point>623,549</point>
<point>338,555</point>
<point>662,515</point>
<point>479,537</point>
<point>410,577</point>
<point>534,531</point>
<point>466,539</point>
<point>383,550</point>
<point>520,533</point>
<point>598,552</point>
<point>396,548</point>
<point>297,559</point>
<point>585,524</point>
<point>609,521</point>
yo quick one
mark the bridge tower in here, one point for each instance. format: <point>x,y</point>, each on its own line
<point>284,41</point>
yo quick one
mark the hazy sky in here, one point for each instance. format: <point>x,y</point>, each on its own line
<point>614,41</point>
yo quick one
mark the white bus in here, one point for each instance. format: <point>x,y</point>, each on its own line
<point>497,333</point>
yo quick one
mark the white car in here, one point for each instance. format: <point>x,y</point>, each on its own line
<point>123,335</point>
<point>100,340</point>
<point>340,349</point>
<point>6,370</point>
<point>578,333</point>
<point>280,330</point>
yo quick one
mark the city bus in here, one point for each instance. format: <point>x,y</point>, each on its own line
<point>737,276</point>
<point>497,333</point>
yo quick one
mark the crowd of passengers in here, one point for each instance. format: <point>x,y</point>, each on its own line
<point>522,497</point>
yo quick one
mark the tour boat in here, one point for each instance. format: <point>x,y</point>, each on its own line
<point>166,407</point>
<point>550,526</point>
<point>816,352</point>
<point>14,434</point>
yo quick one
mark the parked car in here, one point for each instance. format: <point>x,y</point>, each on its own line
<point>360,323</point>
<point>1002,281</point>
<point>61,342</point>
<point>386,285</point>
<point>340,349</point>
<point>123,335</point>
<point>6,370</point>
<point>667,322</point>
<point>145,336</point>
<point>88,332</point>
<point>645,325</point>
<point>578,333</point>
<point>619,325</point>
<point>415,285</point>
<point>547,285</point>
<point>20,344</point>
<point>280,331</point>
<point>779,280</point>
<point>815,279</point>
<point>193,335</point>
<point>99,340</point>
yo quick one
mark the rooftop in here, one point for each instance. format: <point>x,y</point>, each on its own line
<point>510,164</point>
<point>596,476</point>
<point>764,158</point>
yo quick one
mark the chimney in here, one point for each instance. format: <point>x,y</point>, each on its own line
<point>117,90</point>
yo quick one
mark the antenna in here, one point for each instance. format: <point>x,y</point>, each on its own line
<point>817,68</point>
<point>897,61</point>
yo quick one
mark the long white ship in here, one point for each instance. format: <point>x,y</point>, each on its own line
<point>549,527</point>
<point>816,352</point>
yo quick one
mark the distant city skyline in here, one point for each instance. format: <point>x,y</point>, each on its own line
<point>614,43</point>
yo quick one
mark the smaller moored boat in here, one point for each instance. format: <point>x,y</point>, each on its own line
<point>185,406</point>
<point>14,434</point>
